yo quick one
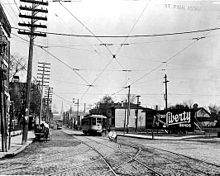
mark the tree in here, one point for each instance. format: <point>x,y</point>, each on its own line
<point>188,103</point>
<point>214,109</point>
<point>179,106</point>
<point>106,100</point>
<point>17,92</point>
<point>16,65</point>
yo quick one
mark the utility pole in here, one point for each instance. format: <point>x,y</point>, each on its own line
<point>48,102</point>
<point>11,111</point>
<point>3,77</point>
<point>77,113</point>
<point>84,109</point>
<point>128,108</point>
<point>43,79</point>
<point>136,120</point>
<point>31,8</point>
<point>165,95</point>
<point>124,105</point>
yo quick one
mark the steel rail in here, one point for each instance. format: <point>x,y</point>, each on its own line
<point>132,158</point>
<point>81,165</point>
<point>183,156</point>
<point>179,154</point>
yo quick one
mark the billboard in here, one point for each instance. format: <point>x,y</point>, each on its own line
<point>174,119</point>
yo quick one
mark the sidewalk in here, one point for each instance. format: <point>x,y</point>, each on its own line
<point>167,137</point>
<point>16,146</point>
<point>149,136</point>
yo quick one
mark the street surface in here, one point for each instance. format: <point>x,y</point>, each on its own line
<point>76,154</point>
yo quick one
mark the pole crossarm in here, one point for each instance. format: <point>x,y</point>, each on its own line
<point>33,17</point>
<point>23,32</point>
<point>36,2</point>
<point>32,25</point>
<point>42,10</point>
<point>31,14</point>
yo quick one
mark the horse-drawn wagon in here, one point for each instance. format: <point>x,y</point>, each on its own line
<point>42,132</point>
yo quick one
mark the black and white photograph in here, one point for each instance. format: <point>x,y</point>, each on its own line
<point>110,87</point>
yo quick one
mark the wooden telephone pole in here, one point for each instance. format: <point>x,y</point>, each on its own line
<point>32,8</point>
<point>128,108</point>
<point>43,79</point>
<point>136,120</point>
<point>48,102</point>
<point>165,95</point>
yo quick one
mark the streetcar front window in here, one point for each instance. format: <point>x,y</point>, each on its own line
<point>99,120</point>
<point>94,121</point>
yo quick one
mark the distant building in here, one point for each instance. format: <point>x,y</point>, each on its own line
<point>120,116</point>
<point>57,117</point>
<point>117,115</point>
<point>204,118</point>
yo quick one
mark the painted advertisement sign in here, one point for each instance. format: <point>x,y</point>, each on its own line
<point>174,118</point>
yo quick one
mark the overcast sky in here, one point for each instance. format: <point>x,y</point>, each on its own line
<point>192,66</point>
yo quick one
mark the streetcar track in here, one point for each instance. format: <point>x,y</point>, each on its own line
<point>132,158</point>
<point>93,148</point>
<point>180,156</point>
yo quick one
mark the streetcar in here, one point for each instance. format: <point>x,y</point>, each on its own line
<point>94,124</point>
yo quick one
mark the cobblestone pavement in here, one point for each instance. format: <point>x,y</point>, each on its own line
<point>94,155</point>
<point>206,150</point>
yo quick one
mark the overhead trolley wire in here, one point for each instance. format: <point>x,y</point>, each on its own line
<point>132,36</point>
<point>167,60</point>
<point>97,78</point>
<point>132,28</point>
<point>72,68</point>
<point>94,35</point>
<point>78,20</point>
<point>115,55</point>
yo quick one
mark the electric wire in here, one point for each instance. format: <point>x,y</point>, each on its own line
<point>79,21</point>
<point>99,75</point>
<point>69,102</point>
<point>9,14</point>
<point>172,57</point>
<point>93,48</point>
<point>169,59</point>
<point>49,53</point>
<point>16,5</point>
<point>132,36</point>
<point>158,66</point>
<point>72,68</point>
<point>132,28</point>
<point>195,40</point>
<point>113,56</point>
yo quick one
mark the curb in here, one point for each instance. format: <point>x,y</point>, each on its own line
<point>12,154</point>
<point>160,138</point>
